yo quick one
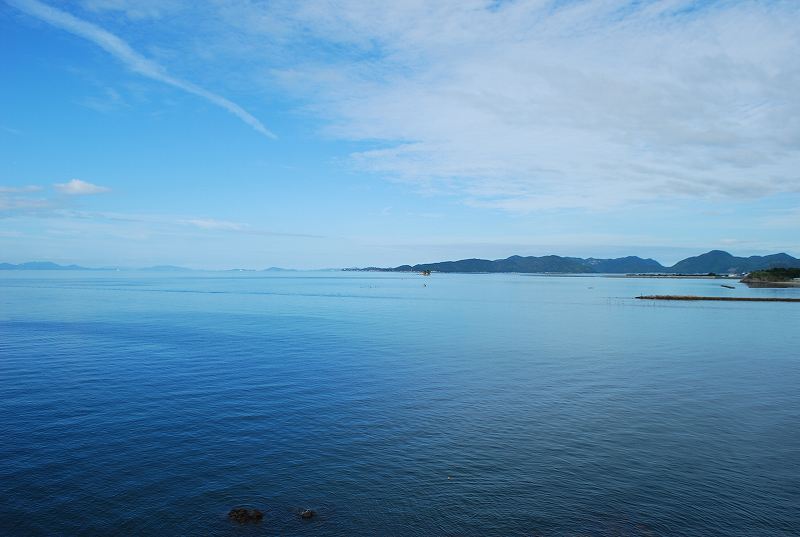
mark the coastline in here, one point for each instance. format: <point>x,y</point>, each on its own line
<point>684,276</point>
<point>771,285</point>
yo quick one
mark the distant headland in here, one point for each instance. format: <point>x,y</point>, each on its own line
<point>713,262</point>
<point>773,277</point>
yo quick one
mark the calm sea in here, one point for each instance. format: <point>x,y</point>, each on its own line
<point>395,405</point>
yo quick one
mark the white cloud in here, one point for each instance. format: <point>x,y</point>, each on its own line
<point>19,189</point>
<point>211,224</point>
<point>139,10</point>
<point>76,187</point>
<point>172,223</point>
<point>132,59</point>
<point>15,199</point>
<point>216,225</point>
<point>21,204</point>
<point>541,104</point>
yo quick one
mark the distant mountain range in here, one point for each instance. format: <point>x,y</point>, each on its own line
<point>40,265</point>
<point>715,261</point>
<point>47,265</point>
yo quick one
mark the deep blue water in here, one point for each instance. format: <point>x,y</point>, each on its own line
<point>478,405</point>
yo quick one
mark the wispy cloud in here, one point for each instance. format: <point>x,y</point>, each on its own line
<point>16,199</point>
<point>139,10</point>
<point>517,106</point>
<point>211,224</point>
<point>10,130</point>
<point>76,187</point>
<point>19,189</point>
<point>532,104</point>
<point>108,100</point>
<point>177,223</point>
<point>15,204</point>
<point>135,61</point>
<point>540,104</point>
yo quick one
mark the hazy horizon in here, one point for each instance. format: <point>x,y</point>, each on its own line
<point>365,265</point>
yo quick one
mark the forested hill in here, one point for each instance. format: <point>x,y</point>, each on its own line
<point>715,261</point>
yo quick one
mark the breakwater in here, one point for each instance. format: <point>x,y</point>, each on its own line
<point>718,298</point>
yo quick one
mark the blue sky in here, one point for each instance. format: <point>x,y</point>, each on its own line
<point>323,134</point>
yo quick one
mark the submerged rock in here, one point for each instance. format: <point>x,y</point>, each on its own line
<point>242,515</point>
<point>307,513</point>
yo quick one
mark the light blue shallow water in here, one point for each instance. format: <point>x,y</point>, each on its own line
<point>478,405</point>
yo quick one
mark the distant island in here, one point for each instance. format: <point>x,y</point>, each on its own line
<point>774,277</point>
<point>711,263</point>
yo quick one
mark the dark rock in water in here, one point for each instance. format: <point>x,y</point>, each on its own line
<point>307,513</point>
<point>242,515</point>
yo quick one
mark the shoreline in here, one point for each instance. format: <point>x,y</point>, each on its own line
<point>770,285</point>
<point>684,276</point>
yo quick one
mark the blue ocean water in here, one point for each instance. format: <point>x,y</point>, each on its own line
<point>394,405</point>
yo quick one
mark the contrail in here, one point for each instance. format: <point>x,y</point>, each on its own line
<point>132,59</point>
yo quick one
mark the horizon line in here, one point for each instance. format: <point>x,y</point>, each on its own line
<point>179,268</point>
